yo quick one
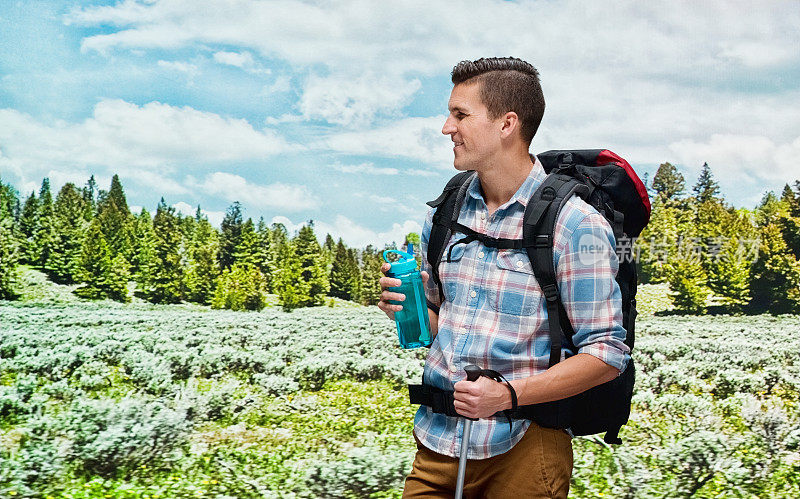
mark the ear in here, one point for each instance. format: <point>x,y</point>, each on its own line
<point>509,124</point>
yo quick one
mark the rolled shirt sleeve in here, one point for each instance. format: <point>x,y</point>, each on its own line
<point>586,267</point>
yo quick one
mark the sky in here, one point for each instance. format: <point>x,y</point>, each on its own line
<point>332,111</point>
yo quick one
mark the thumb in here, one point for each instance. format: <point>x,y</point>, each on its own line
<point>424,276</point>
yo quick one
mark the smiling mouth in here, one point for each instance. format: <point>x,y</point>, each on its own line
<point>456,144</point>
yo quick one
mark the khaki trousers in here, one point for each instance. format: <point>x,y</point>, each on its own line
<point>539,466</point>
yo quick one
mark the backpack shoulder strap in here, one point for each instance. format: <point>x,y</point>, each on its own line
<point>538,232</point>
<point>448,206</point>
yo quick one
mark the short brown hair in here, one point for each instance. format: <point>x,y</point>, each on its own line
<point>506,84</point>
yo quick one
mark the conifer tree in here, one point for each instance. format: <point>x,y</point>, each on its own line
<point>354,272</point>
<point>231,235</point>
<point>144,240</point>
<point>312,264</point>
<point>264,238</point>
<point>8,243</point>
<point>164,277</point>
<point>28,224</point>
<point>203,265</point>
<point>776,273</point>
<point>285,270</point>
<point>102,276</point>
<point>370,276</point>
<point>64,263</point>
<point>341,273</point>
<point>116,220</point>
<point>89,194</point>
<point>668,183</point>
<point>8,260</point>
<point>240,287</point>
<point>706,189</point>
<point>45,228</point>
<point>247,251</point>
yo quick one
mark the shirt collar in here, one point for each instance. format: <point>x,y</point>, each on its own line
<point>525,191</point>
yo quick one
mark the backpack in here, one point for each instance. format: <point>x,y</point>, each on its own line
<point>606,182</point>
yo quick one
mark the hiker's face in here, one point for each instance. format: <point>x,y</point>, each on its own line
<point>476,137</point>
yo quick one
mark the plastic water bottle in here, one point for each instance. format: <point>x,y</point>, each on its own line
<point>413,325</point>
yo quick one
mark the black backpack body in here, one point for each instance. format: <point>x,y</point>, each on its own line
<point>606,182</point>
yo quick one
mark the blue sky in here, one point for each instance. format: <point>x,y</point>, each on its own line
<point>332,111</point>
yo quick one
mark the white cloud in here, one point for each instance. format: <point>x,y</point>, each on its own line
<point>278,195</point>
<point>344,100</point>
<point>365,169</point>
<point>748,157</point>
<point>183,67</point>
<point>238,59</point>
<point>415,138</point>
<point>141,143</point>
<point>354,235</point>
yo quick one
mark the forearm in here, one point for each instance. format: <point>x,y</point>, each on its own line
<point>569,377</point>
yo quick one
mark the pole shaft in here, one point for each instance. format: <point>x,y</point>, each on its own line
<point>462,460</point>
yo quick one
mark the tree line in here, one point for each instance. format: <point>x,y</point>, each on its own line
<point>89,236</point>
<point>703,247</point>
<point>747,260</point>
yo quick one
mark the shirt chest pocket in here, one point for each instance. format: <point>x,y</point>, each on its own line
<point>513,288</point>
<point>449,270</point>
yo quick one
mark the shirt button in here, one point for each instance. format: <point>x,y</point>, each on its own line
<point>483,216</point>
<point>473,293</point>
<point>481,255</point>
<point>519,263</point>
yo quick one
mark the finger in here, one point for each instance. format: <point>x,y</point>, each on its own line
<point>389,307</point>
<point>424,276</point>
<point>389,282</point>
<point>385,267</point>
<point>388,295</point>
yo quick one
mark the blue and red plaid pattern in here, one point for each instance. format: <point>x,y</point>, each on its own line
<point>494,312</point>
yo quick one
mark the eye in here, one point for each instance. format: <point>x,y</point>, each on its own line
<point>460,115</point>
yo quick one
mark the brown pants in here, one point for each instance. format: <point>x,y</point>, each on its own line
<point>539,466</point>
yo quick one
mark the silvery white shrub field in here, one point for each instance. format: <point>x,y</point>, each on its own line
<point>110,400</point>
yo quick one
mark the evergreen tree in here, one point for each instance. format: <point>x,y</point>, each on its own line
<point>89,194</point>
<point>102,276</point>
<point>231,235</point>
<point>144,246</point>
<point>312,264</point>
<point>116,220</point>
<point>45,229</point>
<point>262,255</point>
<point>776,273</point>
<point>240,287</point>
<point>370,275</point>
<point>64,264</point>
<point>247,252</point>
<point>706,189</point>
<point>285,270</point>
<point>203,267</point>
<point>28,224</point>
<point>164,277</point>
<point>8,243</point>
<point>341,273</point>
<point>668,183</point>
<point>8,260</point>
<point>354,271</point>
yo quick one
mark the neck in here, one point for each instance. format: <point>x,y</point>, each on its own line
<point>503,177</point>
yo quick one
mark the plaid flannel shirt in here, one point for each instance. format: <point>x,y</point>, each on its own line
<point>494,312</point>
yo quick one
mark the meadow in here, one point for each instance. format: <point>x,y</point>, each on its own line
<point>102,399</point>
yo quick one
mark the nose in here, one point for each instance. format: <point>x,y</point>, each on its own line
<point>449,128</point>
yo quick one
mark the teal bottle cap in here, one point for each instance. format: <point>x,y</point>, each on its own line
<point>405,264</point>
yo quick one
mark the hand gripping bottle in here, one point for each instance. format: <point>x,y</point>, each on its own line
<point>413,325</point>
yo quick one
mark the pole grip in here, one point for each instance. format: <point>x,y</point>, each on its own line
<point>473,372</point>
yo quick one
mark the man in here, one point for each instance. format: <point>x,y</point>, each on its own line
<point>494,313</point>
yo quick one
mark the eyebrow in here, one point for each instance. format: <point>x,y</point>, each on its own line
<point>457,108</point>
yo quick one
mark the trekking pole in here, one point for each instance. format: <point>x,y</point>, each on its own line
<point>473,373</point>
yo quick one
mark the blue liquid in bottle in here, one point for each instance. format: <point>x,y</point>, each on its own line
<point>413,325</point>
